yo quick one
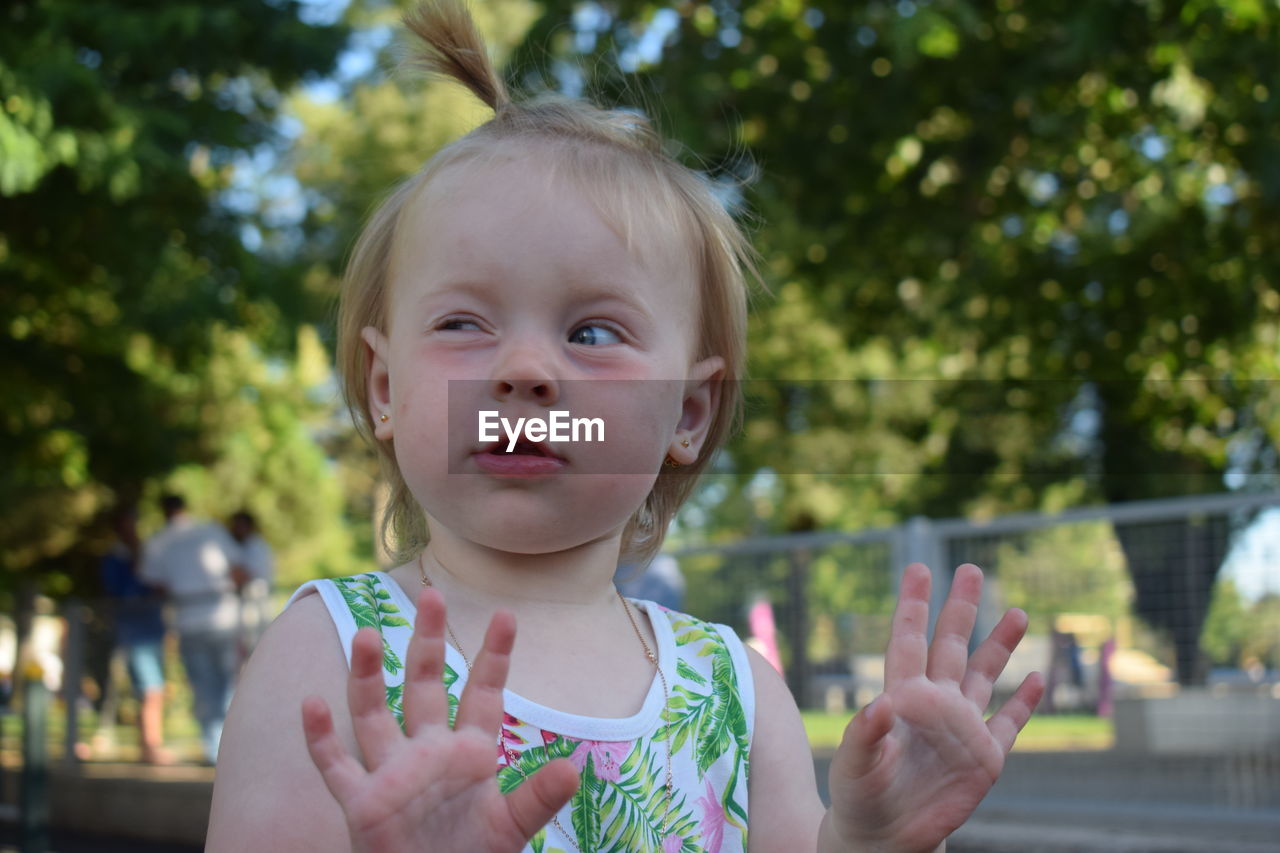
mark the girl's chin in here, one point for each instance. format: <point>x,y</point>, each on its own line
<point>532,535</point>
<point>520,520</point>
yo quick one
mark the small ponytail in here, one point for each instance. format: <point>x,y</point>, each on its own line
<point>452,47</point>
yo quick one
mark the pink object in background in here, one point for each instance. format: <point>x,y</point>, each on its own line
<point>763,631</point>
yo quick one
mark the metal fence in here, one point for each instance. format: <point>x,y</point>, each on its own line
<point>1121,624</point>
<point>1118,598</point>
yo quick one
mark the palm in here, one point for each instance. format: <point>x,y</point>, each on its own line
<point>436,787</point>
<point>915,764</point>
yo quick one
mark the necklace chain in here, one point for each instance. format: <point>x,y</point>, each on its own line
<point>662,678</point>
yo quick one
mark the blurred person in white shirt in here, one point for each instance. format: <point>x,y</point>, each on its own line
<point>259,565</point>
<point>198,566</point>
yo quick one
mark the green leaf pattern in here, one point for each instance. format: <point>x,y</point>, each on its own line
<point>620,808</point>
<point>371,607</point>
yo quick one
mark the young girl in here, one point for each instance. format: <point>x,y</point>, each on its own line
<point>555,259</point>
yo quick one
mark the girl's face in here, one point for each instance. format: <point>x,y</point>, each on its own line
<point>512,295</point>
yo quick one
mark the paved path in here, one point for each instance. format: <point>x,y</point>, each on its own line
<point>1117,803</point>
<point>1045,803</point>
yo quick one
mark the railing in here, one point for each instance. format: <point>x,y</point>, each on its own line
<point>1117,597</point>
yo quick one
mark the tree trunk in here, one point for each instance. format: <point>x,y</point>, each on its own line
<point>1173,565</point>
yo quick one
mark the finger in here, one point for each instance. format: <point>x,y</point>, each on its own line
<point>425,702</point>
<point>864,738</point>
<point>949,652</point>
<point>537,800</point>
<point>1005,724</point>
<point>376,731</point>
<point>481,703</point>
<point>339,769</point>
<point>907,652</point>
<point>992,656</point>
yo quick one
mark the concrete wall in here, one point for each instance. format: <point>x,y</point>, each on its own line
<point>1200,721</point>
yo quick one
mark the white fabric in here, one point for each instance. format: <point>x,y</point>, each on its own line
<point>257,560</point>
<point>255,596</point>
<point>193,561</point>
<point>689,660</point>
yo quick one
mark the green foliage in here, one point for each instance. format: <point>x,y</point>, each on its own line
<point>1227,625</point>
<point>1017,249</point>
<point>124,270</point>
<point>259,417</point>
<point>1078,568</point>
<point>1240,633</point>
<point>981,221</point>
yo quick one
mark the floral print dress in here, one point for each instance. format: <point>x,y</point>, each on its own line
<point>622,803</point>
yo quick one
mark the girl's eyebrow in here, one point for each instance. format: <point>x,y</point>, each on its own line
<point>462,285</point>
<point>594,292</point>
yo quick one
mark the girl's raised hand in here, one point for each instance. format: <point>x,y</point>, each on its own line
<point>916,762</point>
<point>431,787</point>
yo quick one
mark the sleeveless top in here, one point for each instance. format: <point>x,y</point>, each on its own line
<point>622,803</point>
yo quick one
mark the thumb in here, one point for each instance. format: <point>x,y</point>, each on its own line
<point>864,739</point>
<point>537,800</point>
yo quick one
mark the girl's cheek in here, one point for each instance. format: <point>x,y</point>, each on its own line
<point>448,360</point>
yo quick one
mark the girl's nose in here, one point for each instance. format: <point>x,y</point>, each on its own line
<point>525,374</point>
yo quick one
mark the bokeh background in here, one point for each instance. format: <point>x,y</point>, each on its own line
<point>1022,261</point>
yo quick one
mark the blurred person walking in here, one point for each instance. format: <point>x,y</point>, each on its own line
<point>137,613</point>
<point>198,565</point>
<point>259,566</point>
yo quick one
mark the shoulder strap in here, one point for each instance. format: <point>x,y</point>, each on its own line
<point>339,612</point>
<point>742,674</point>
<point>364,601</point>
<point>712,651</point>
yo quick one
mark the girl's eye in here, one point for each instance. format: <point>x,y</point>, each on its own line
<point>591,334</point>
<point>456,324</point>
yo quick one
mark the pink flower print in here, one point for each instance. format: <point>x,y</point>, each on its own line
<point>672,844</point>
<point>713,820</point>
<point>508,745</point>
<point>549,738</point>
<point>607,755</point>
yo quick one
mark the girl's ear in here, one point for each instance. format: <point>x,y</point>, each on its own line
<point>701,400</point>
<point>378,382</point>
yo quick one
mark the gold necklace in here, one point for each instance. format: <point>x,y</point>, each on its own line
<point>666,703</point>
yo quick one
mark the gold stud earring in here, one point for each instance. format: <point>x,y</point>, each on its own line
<point>684,442</point>
<point>385,417</point>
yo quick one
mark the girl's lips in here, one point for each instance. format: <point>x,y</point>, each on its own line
<point>517,464</point>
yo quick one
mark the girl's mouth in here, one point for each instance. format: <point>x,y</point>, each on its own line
<point>527,461</point>
<point>527,448</point>
<point>523,447</point>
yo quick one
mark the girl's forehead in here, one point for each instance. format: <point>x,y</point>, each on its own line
<point>512,210</point>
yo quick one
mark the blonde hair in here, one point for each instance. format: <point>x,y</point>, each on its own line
<point>600,150</point>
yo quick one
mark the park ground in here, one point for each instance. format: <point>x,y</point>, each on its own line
<point>1064,790</point>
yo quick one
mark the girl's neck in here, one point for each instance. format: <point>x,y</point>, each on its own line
<point>575,578</point>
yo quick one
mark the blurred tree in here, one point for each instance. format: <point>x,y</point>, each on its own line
<point>126,243</point>
<point>1263,643</point>
<point>1027,241</point>
<point>1226,627</point>
<point>1077,568</point>
<point>260,420</point>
